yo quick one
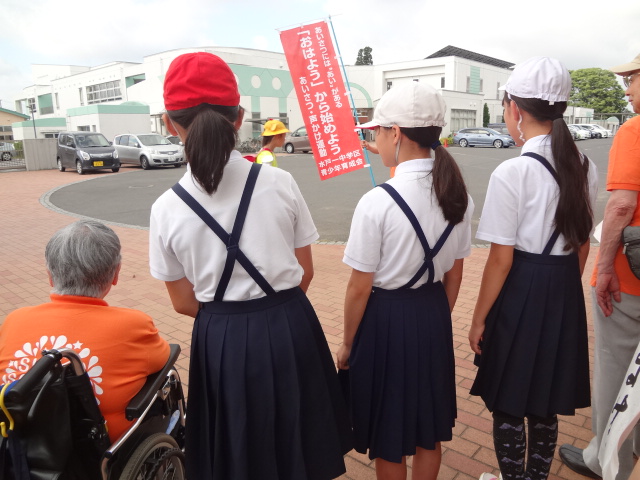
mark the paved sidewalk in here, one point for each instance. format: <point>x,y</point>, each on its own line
<point>26,225</point>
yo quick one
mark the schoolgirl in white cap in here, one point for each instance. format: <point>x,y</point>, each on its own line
<point>529,327</point>
<point>407,243</point>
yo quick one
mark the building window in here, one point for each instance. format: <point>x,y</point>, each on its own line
<point>389,85</point>
<point>416,79</point>
<point>104,92</point>
<point>84,128</point>
<point>462,119</point>
<point>481,88</point>
<point>81,96</point>
<point>498,91</point>
<point>57,102</point>
<point>441,82</point>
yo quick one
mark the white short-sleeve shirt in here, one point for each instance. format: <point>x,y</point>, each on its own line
<point>277,222</point>
<point>522,198</point>
<point>382,240</point>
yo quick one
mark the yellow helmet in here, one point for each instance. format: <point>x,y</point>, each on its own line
<point>274,127</point>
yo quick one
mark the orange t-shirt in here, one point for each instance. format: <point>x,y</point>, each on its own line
<point>119,347</point>
<point>624,174</point>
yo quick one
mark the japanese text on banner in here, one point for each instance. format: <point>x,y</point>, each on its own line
<point>323,100</point>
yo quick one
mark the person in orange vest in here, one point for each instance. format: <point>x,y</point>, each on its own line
<point>272,137</point>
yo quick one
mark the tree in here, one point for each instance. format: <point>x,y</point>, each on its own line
<point>598,89</point>
<point>486,118</point>
<point>364,56</point>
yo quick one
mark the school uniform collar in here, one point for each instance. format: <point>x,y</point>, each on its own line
<point>416,165</point>
<point>235,156</point>
<point>535,144</point>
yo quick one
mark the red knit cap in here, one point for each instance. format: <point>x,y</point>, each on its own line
<point>196,78</point>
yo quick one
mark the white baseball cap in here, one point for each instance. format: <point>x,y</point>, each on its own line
<point>544,78</point>
<point>410,105</point>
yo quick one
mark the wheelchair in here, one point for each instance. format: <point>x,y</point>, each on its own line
<point>52,428</point>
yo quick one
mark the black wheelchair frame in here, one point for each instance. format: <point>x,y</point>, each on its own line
<point>152,448</point>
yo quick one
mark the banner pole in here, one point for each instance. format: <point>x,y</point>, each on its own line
<point>353,104</point>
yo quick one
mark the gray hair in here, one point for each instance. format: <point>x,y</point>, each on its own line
<point>83,258</point>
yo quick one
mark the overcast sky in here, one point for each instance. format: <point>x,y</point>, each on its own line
<point>581,34</point>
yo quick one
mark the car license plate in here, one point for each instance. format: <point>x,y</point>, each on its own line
<point>98,164</point>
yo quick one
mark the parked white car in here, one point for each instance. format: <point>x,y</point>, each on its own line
<point>578,133</point>
<point>605,133</point>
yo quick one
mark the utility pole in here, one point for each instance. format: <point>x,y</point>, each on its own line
<point>32,108</point>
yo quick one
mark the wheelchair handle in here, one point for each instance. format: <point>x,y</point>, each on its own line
<point>30,379</point>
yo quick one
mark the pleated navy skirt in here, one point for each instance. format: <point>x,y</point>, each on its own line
<point>402,371</point>
<point>535,353</point>
<point>264,398</point>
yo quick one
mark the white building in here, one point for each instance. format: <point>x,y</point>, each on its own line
<point>125,97</point>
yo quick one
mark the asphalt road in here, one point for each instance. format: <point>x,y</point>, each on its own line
<point>126,197</point>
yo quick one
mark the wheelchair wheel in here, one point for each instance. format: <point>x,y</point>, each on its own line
<point>157,457</point>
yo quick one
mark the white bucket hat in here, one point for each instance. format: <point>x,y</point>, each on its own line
<point>627,68</point>
<point>411,105</point>
<point>544,78</point>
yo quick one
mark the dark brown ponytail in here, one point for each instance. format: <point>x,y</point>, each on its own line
<point>211,139</point>
<point>448,184</point>
<point>574,215</point>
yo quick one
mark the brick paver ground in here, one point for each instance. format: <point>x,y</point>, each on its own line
<point>26,225</point>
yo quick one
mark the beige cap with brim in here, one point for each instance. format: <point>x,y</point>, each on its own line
<point>627,68</point>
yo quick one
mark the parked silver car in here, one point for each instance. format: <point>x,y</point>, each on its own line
<point>148,150</point>
<point>297,140</point>
<point>482,136</point>
<point>7,151</point>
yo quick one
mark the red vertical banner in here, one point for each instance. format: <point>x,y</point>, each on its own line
<point>323,100</point>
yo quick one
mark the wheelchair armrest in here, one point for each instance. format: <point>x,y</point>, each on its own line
<point>154,382</point>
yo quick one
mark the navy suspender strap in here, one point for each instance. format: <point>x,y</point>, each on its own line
<point>429,253</point>
<point>547,165</point>
<point>230,240</point>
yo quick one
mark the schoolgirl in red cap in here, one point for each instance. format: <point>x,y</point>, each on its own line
<point>264,399</point>
<point>529,327</point>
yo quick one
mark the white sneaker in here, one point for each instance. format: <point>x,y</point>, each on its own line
<point>490,476</point>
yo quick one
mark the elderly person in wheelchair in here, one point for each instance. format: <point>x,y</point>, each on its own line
<point>118,348</point>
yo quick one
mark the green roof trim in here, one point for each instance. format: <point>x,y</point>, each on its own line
<point>129,81</point>
<point>13,112</point>
<point>109,109</point>
<point>43,122</point>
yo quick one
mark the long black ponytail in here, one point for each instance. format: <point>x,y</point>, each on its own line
<point>448,183</point>
<point>211,139</point>
<point>574,215</point>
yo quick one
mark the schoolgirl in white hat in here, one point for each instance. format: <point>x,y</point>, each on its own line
<point>407,245</point>
<point>529,327</point>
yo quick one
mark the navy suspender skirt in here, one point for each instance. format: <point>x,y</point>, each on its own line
<point>264,399</point>
<point>535,355</point>
<point>401,366</point>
